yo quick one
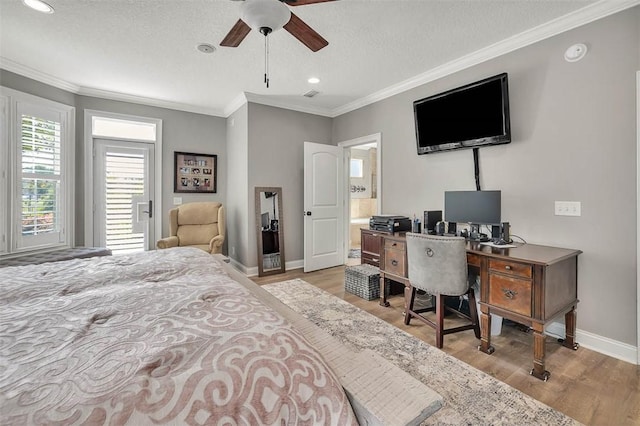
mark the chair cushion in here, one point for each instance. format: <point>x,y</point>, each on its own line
<point>198,213</point>
<point>197,234</point>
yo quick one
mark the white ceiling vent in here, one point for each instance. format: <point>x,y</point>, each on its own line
<point>310,93</point>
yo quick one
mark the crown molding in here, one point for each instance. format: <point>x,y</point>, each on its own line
<point>41,77</point>
<point>593,12</point>
<point>235,104</point>
<point>116,96</point>
<point>280,103</point>
<point>33,74</point>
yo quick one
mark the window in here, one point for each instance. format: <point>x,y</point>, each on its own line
<point>357,168</point>
<point>123,129</point>
<point>38,184</point>
<point>41,177</point>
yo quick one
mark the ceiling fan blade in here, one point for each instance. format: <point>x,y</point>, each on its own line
<point>235,36</point>
<point>305,33</point>
<point>303,2</point>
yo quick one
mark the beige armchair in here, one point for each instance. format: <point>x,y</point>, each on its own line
<point>200,225</point>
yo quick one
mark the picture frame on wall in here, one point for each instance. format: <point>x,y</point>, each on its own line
<point>195,173</point>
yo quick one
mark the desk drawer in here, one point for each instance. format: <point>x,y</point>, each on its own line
<point>473,260</point>
<point>510,268</point>
<point>394,262</point>
<point>510,293</point>
<point>371,260</point>
<point>395,244</point>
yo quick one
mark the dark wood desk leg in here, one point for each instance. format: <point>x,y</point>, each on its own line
<point>538,370</point>
<point>570,329</point>
<point>383,291</point>
<point>485,332</point>
<point>409,299</point>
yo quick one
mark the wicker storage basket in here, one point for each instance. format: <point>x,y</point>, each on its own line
<point>363,281</point>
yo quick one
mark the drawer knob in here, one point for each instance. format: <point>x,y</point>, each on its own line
<point>508,293</point>
<point>394,262</point>
<point>507,267</point>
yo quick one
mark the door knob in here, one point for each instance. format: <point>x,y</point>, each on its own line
<point>307,213</point>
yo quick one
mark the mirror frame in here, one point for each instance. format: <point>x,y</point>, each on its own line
<point>280,219</point>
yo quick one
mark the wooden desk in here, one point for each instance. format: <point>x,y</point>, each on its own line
<point>529,284</point>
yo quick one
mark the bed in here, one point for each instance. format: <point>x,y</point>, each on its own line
<point>178,336</point>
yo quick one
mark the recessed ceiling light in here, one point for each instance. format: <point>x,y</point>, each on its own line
<point>314,80</point>
<point>38,5</point>
<point>206,48</point>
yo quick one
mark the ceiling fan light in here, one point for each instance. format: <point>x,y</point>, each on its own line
<point>265,13</point>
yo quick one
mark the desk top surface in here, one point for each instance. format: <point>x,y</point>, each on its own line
<point>530,253</point>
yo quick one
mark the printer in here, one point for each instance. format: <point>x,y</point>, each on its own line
<point>390,223</point>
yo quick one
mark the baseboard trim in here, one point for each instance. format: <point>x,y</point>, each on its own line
<point>604,345</point>
<point>294,264</point>
<point>253,271</point>
<point>238,266</point>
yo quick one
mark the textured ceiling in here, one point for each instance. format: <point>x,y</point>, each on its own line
<point>145,50</point>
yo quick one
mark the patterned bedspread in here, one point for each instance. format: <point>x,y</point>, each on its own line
<point>160,337</point>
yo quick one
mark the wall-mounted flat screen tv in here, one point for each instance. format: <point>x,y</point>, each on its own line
<point>470,116</point>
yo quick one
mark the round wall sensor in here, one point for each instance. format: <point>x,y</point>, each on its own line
<point>575,52</point>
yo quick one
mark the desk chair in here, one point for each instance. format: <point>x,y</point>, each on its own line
<point>438,265</point>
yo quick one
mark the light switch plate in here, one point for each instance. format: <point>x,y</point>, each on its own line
<point>568,208</point>
<point>177,201</point>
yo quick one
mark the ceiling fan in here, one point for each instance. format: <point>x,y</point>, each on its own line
<point>267,16</point>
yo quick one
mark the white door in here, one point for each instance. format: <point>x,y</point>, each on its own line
<point>123,195</point>
<point>323,204</point>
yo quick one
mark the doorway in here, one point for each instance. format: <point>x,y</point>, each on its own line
<point>128,149</point>
<point>363,183</point>
<point>323,206</point>
<point>124,187</point>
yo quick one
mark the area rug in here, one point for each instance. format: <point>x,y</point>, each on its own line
<point>471,396</point>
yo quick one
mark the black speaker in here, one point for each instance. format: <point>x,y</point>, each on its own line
<point>495,232</point>
<point>505,233</point>
<point>431,217</point>
<point>452,227</point>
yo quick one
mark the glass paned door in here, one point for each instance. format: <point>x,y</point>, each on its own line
<point>123,211</point>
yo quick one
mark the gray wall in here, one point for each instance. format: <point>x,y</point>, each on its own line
<point>276,148</point>
<point>573,139</point>
<point>239,196</point>
<point>182,131</point>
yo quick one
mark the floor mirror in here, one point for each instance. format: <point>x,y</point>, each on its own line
<point>269,229</point>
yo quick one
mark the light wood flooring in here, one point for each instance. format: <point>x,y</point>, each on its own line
<point>592,388</point>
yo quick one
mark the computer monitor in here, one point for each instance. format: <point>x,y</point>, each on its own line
<point>474,207</point>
